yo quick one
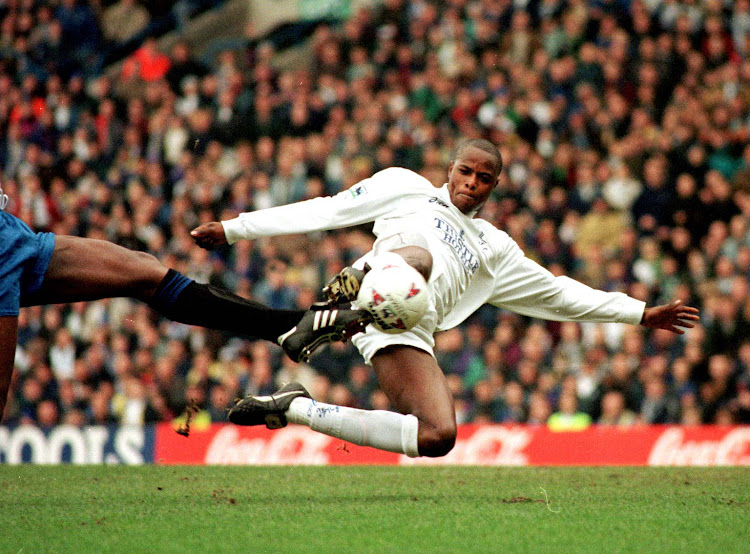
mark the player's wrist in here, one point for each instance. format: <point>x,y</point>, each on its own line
<point>631,311</point>
<point>233,230</point>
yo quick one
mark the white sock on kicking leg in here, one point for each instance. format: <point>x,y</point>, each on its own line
<point>377,428</point>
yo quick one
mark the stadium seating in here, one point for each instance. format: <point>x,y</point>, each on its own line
<point>624,127</point>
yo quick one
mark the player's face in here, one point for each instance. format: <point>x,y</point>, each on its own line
<point>471,178</point>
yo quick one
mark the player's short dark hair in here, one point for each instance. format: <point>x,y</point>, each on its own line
<point>481,144</point>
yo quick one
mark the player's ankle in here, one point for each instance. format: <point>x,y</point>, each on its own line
<point>300,411</point>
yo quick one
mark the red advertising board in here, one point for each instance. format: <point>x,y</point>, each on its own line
<point>476,445</point>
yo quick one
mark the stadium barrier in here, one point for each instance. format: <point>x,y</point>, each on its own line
<point>77,445</point>
<point>294,445</point>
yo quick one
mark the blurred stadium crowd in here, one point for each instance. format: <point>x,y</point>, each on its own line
<point>623,124</point>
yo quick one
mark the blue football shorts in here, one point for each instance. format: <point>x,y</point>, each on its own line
<point>24,258</point>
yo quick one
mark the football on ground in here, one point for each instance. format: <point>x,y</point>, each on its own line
<point>396,296</point>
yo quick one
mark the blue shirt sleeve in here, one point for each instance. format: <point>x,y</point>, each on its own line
<point>10,296</point>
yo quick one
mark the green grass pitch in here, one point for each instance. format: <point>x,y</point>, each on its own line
<point>373,509</point>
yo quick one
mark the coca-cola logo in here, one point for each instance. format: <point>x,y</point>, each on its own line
<point>291,445</point>
<point>672,449</point>
<point>491,445</point>
<point>476,445</point>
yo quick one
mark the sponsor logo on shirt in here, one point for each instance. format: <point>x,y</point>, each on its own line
<point>438,201</point>
<point>455,240</point>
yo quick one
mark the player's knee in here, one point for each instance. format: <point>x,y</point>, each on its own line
<point>423,262</point>
<point>417,257</point>
<point>147,262</point>
<point>147,272</point>
<point>438,441</point>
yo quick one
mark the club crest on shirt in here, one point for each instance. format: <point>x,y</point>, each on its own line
<point>456,241</point>
<point>357,190</point>
<point>483,243</point>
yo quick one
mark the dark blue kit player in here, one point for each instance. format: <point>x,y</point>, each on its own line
<point>44,268</point>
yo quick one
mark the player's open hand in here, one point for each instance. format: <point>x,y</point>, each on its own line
<point>209,235</point>
<point>670,317</point>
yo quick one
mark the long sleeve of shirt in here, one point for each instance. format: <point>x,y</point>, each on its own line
<point>368,200</point>
<point>523,286</point>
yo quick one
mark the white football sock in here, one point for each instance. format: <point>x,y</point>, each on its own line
<point>377,428</point>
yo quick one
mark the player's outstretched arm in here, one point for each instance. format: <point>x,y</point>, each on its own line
<point>364,202</point>
<point>209,235</point>
<point>670,317</point>
<point>9,334</point>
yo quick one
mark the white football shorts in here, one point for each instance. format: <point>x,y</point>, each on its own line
<point>420,336</point>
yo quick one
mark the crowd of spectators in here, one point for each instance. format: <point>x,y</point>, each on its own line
<point>623,125</point>
<point>74,38</point>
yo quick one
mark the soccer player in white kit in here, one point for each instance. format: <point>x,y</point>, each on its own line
<point>467,261</point>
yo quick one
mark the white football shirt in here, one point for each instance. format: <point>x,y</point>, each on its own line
<point>473,262</point>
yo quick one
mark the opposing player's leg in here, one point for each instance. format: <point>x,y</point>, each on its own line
<point>321,324</point>
<point>88,269</point>
<point>8,336</point>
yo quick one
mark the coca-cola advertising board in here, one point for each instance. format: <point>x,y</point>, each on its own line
<point>476,445</point>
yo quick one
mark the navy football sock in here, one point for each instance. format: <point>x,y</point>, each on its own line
<point>182,299</point>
